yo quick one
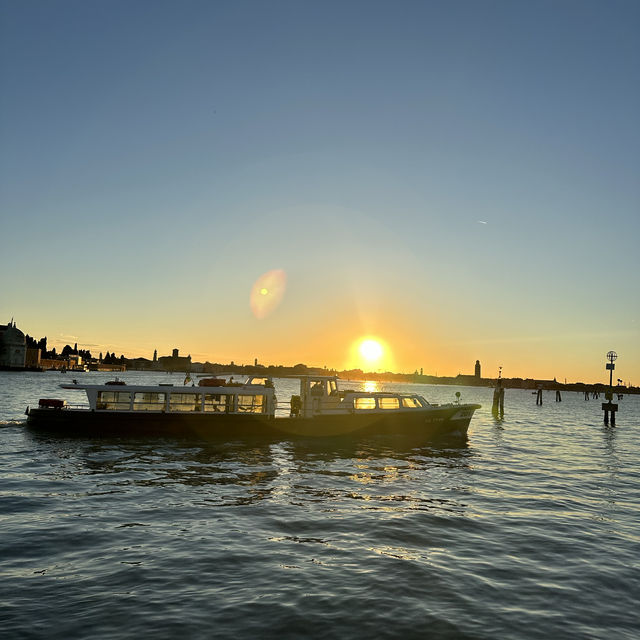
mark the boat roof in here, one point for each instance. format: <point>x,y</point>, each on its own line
<point>310,376</point>
<point>163,387</point>
<point>378,394</point>
<point>224,374</point>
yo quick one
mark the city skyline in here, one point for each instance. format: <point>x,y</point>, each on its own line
<point>454,181</point>
<point>371,357</point>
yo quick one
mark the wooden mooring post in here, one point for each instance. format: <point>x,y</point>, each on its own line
<point>498,397</point>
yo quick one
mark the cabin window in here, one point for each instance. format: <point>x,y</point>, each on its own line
<point>218,403</point>
<point>149,401</point>
<point>389,403</point>
<point>250,404</point>
<point>185,402</point>
<point>365,403</point>
<point>317,388</point>
<point>410,403</point>
<point>113,400</point>
<point>333,388</point>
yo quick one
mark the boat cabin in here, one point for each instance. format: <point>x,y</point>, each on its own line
<point>320,395</point>
<point>207,398</point>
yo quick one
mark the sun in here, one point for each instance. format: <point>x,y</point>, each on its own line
<point>370,353</point>
<point>371,350</point>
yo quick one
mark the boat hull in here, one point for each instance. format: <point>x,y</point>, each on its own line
<point>445,420</point>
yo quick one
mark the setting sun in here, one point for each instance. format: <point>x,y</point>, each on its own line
<point>370,353</point>
<point>371,350</point>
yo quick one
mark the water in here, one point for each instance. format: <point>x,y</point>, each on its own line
<point>530,530</point>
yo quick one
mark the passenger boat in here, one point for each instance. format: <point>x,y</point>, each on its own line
<point>218,407</point>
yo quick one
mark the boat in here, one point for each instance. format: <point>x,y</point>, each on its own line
<point>218,407</point>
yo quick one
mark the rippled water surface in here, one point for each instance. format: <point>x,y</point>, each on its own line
<point>531,529</point>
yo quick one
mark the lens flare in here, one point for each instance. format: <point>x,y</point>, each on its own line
<point>267,292</point>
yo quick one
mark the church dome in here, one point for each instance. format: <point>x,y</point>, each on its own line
<point>13,336</point>
<point>13,347</point>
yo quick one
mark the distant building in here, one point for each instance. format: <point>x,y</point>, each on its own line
<point>140,364</point>
<point>33,358</point>
<point>461,379</point>
<point>478,369</point>
<point>175,362</point>
<point>74,360</point>
<point>13,347</point>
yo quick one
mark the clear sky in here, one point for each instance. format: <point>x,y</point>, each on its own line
<point>458,180</point>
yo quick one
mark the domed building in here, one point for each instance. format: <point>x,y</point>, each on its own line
<point>13,347</point>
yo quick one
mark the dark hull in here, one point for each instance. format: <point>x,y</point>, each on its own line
<point>450,420</point>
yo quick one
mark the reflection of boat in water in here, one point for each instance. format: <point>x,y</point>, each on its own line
<point>221,408</point>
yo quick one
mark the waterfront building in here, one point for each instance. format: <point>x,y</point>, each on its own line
<point>13,347</point>
<point>478,369</point>
<point>33,358</point>
<point>175,362</point>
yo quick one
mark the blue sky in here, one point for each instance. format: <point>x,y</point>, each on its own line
<point>457,178</point>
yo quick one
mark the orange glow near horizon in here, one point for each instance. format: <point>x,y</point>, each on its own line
<point>321,332</point>
<point>278,344</point>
